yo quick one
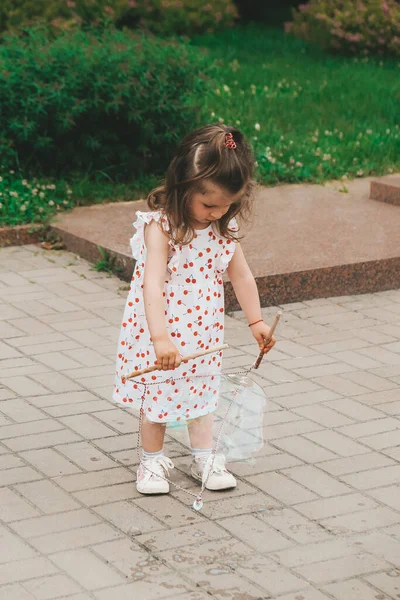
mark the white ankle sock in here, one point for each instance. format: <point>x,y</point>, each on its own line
<point>147,456</point>
<point>196,452</point>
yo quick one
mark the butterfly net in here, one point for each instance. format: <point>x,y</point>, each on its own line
<point>222,411</point>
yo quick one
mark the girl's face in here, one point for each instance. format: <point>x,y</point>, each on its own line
<point>210,204</point>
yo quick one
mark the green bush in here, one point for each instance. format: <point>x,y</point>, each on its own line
<point>106,101</point>
<point>62,14</point>
<point>350,27</point>
<point>180,17</point>
<point>163,17</point>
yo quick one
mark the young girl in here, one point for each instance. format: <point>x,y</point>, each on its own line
<point>175,306</point>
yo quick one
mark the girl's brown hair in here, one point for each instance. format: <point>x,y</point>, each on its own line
<point>203,155</point>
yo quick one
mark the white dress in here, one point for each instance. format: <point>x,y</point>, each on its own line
<point>194,312</point>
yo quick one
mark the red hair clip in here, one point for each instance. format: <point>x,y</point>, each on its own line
<point>229,141</point>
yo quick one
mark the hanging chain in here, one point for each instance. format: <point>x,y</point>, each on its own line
<point>198,503</point>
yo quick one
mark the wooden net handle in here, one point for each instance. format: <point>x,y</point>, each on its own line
<point>271,333</point>
<point>184,360</point>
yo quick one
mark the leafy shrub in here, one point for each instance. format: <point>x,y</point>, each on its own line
<point>180,17</point>
<point>108,101</point>
<point>23,201</point>
<point>349,26</point>
<point>163,17</point>
<point>63,14</point>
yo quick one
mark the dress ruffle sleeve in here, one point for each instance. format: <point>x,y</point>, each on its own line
<point>142,219</point>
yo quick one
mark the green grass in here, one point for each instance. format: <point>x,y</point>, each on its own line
<point>37,200</point>
<point>310,116</point>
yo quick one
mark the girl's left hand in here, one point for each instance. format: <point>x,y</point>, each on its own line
<point>261,333</point>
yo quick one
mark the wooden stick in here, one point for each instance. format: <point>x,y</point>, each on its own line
<point>271,333</point>
<point>184,360</point>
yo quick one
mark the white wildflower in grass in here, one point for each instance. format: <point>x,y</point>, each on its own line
<point>360,173</point>
<point>1,179</point>
<point>22,208</point>
<point>65,202</point>
<point>237,122</point>
<point>40,209</point>
<point>220,120</point>
<point>291,160</point>
<point>1,206</point>
<point>217,91</point>
<point>357,143</point>
<point>387,131</point>
<point>291,142</point>
<point>314,138</point>
<point>41,194</point>
<point>14,194</point>
<point>282,138</point>
<point>213,114</point>
<point>257,126</point>
<point>69,191</point>
<point>369,131</point>
<point>299,164</point>
<point>12,172</point>
<point>326,157</point>
<point>226,88</point>
<point>266,88</point>
<point>34,191</point>
<point>51,202</point>
<point>24,182</point>
<point>341,135</point>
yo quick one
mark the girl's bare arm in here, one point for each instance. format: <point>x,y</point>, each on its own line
<point>246,291</point>
<point>154,302</point>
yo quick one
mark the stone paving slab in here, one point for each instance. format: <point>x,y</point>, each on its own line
<point>316,516</point>
<point>306,241</point>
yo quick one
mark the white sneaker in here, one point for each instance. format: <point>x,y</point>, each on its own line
<point>219,478</point>
<point>151,476</point>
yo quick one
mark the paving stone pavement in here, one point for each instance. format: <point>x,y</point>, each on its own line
<point>316,516</point>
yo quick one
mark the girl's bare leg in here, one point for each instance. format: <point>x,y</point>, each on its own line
<point>200,432</point>
<point>152,436</point>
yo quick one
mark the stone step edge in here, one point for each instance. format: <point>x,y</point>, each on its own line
<point>282,288</point>
<point>385,192</point>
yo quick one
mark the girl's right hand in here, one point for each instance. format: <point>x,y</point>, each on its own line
<point>167,354</point>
